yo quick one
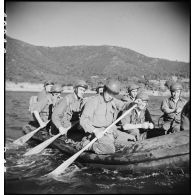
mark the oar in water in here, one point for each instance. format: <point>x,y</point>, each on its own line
<point>68,162</point>
<point>25,138</point>
<point>46,143</point>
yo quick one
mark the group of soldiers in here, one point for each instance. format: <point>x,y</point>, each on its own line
<point>95,113</point>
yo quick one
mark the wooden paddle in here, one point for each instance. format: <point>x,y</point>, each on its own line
<point>25,138</point>
<point>46,143</point>
<point>69,161</point>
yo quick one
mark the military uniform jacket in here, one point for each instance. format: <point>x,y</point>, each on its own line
<point>70,107</point>
<point>134,118</point>
<point>44,107</point>
<point>168,104</point>
<point>100,114</point>
<point>41,95</point>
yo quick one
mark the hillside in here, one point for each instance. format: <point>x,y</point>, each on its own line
<point>29,63</point>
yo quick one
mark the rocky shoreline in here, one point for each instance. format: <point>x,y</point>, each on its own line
<point>36,87</point>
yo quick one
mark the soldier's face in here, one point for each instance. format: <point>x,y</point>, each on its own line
<point>176,94</point>
<point>108,96</point>
<point>100,90</point>
<point>56,96</point>
<point>133,93</point>
<point>80,92</point>
<point>142,104</point>
<point>48,88</point>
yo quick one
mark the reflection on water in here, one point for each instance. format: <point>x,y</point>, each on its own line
<point>28,174</point>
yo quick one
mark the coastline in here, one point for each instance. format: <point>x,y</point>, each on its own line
<point>37,87</point>
<point>33,87</point>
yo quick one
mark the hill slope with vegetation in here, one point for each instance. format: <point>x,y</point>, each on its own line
<point>29,63</point>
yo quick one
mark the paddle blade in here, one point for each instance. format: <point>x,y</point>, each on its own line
<point>63,166</point>
<point>25,138</point>
<point>42,146</point>
<point>68,162</point>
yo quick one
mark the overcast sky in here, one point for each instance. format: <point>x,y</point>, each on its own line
<point>155,29</point>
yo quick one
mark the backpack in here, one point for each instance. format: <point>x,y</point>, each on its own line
<point>32,102</point>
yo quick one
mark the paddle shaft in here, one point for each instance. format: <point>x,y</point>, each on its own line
<point>68,162</point>
<point>42,146</point>
<point>46,143</point>
<point>25,138</point>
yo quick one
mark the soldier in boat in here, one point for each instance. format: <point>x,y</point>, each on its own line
<point>40,96</point>
<point>47,88</point>
<point>130,97</point>
<point>132,93</point>
<point>99,91</point>
<point>172,107</point>
<point>42,110</point>
<point>139,120</point>
<point>69,109</point>
<point>99,113</point>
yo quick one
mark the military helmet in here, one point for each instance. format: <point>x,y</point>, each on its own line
<point>56,89</point>
<point>168,83</point>
<point>100,85</point>
<point>176,86</point>
<point>48,83</point>
<point>81,83</point>
<point>143,96</point>
<point>132,87</point>
<point>113,86</point>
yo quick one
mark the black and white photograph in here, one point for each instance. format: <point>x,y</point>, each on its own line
<point>97,97</point>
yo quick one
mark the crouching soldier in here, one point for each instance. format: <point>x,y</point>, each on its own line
<point>69,109</point>
<point>139,120</point>
<point>99,113</point>
<point>42,110</point>
<point>172,107</point>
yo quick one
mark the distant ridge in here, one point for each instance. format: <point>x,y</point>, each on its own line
<point>30,63</point>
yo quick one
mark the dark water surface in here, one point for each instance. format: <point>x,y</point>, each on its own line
<point>25,175</point>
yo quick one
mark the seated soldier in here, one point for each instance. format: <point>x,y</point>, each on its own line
<point>132,93</point>
<point>99,113</point>
<point>43,109</point>
<point>139,120</point>
<point>69,109</point>
<point>172,107</point>
<point>45,91</point>
<point>131,97</point>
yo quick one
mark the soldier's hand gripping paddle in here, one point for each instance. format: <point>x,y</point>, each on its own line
<point>46,143</point>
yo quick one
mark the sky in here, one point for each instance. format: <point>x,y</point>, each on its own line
<point>155,29</point>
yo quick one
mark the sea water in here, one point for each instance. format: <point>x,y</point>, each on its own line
<point>27,174</point>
